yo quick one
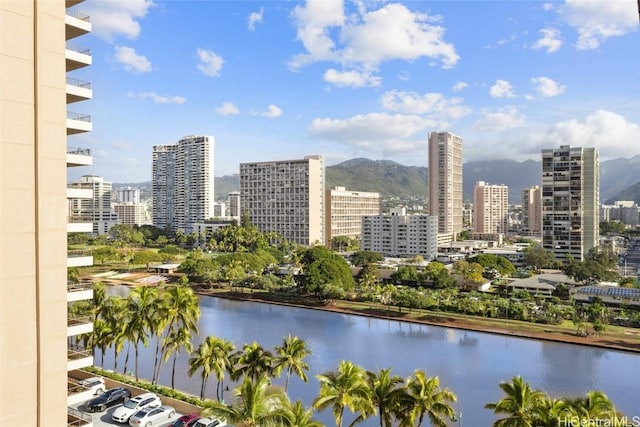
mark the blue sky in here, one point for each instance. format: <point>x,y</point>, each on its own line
<point>276,80</point>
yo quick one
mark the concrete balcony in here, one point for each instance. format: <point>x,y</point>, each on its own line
<point>77,418</point>
<point>79,291</point>
<point>78,90</point>
<point>76,24</point>
<point>78,123</point>
<point>79,227</point>
<point>79,157</point>
<point>71,3</point>
<point>78,357</point>
<point>79,258</point>
<point>77,325</point>
<point>77,57</point>
<point>79,193</point>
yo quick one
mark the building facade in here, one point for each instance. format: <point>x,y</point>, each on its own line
<point>532,211</point>
<point>39,345</point>
<point>183,183</point>
<point>345,210</point>
<point>131,213</point>
<point>96,209</point>
<point>233,204</point>
<point>400,235</point>
<point>445,183</point>
<point>490,208</point>
<point>129,195</point>
<point>286,197</point>
<point>570,201</point>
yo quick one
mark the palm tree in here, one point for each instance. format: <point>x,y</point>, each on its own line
<point>346,387</point>
<point>256,405</point>
<point>99,299</point>
<point>522,404</point>
<point>553,412</point>
<point>103,337</point>
<point>141,305</point>
<point>300,416</point>
<point>175,341</point>
<point>203,360</point>
<point>221,354</point>
<point>184,307</point>
<point>386,393</point>
<point>158,321</point>
<point>253,362</point>
<point>595,405</point>
<point>290,356</point>
<point>425,397</point>
<point>115,314</point>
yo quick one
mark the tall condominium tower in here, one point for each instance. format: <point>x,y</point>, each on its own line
<point>286,197</point>
<point>345,210</point>
<point>96,209</point>
<point>570,193</point>
<point>490,208</point>
<point>532,211</point>
<point>445,182</point>
<point>182,183</point>
<point>233,204</point>
<point>39,347</point>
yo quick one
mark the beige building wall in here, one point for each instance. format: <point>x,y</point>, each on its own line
<point>490,208</point>
<point>33,305</point>
<point>344,212</point>
<point>532,211</point>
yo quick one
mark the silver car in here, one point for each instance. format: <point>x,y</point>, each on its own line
<point>151,416</point>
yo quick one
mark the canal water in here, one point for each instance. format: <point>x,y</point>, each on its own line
<point>471,364</point>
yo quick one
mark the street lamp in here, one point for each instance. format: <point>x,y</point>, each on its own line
<point>457,416</point>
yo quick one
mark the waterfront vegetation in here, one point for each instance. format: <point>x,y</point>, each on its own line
<point>242,262</point>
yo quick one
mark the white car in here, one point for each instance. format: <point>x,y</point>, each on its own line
<point>151,416</point>
<point>133,405</point>
<point>95,384</point>
<point>210,422</point>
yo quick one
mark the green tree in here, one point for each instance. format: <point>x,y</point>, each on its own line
<point>538,257</point>
<point>322,267</point>
<point>469,271</point>
<point>175,341</point>
<point>253,362</point>
<point>142,303</point>
<point>222,354</point>
<point>290,357</point>
<point>362,258</point>
<point>299,416</point>
<point>426,398</point>
<point>345,388</point>
<point>203,361</point>
<point>522,404</point>
<point>387,393</point>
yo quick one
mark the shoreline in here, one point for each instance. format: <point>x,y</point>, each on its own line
<point>468,324</point>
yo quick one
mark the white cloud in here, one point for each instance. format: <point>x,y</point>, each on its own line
<point>497,121</point>
<point>459,86</point>
<point>351,78</point>
<point>227,109</point>
<point>597,20</point>
<point>112,18</point>
<point>133,62</point>
<point>158,99</point>
<point>273,111</point>
<point>501,89</point>
<point>550,40</point>
<point>210,63</point>
<point>368,37</point>
<point>429,103</point>
<point>547,87</point>
<point>254,18</point>
<point>121,145</point>
<point>610,132</point>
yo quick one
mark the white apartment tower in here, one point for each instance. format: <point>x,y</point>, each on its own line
<point>40,89</point>
<point>570,193</point>
<point>445,182</point>
<point>233,204</point>
<point>490,208</point>
<point>532,211</point>
<point>286,197</point>
<point>129,195</point>
<point>345,210</point>
<point>400,235</point>
<point>183,183</point>
<point>96,209</point>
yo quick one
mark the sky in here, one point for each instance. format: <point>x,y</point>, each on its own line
<point>276,80</point>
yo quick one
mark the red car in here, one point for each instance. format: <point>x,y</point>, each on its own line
<point>186,420</point>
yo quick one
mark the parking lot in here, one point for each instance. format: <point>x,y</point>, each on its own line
<point>101,419</point>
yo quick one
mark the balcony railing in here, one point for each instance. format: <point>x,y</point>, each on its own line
<point>79,49</point>
<point>79,117</point>
<point>78,83</point>
<point>79,253</point>
<point>79,151</point>
<point>76,418</point>
<point>78,15</point>
<point>75,351</point>
<point>75,219</point>
<point>76,319</point>
<point>78,287</point>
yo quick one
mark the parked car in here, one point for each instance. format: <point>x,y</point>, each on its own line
<point>133,405</point>
<point>187,420</point>
<point>95,384</point>
<point>109,398</point>
<point>151,416</point>
<point>210,422</point>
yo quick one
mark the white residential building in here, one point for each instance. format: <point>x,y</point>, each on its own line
<point>490,208</point>
<point>183,183</point>
<point>129,195</point>
<point>445,183</point>
<point>286,197</point>
<point>345,210</point>
<point>233,204</point>
<point>131,213</point>
<point>96,209</point>
<point>400,235</point>
<point>532,211</point>
<point>570,193</point>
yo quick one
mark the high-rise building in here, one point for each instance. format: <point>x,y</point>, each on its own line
<point>183,183</point>
<point>570,193</point>
<point>131,213</point>
<point>532,211</point>
<point>233,204</point>
<point>39,346</point>
<point>96,209</point>
<point>490,208</point>
<point>286,197</point>
<point>445,183</point>
<point>400,235</point>
<point>129,195</point>
<point>345,210</point>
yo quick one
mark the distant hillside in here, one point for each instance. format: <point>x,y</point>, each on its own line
<point>618,178</point>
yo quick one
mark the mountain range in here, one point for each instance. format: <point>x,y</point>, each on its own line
<point>619,178</point>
